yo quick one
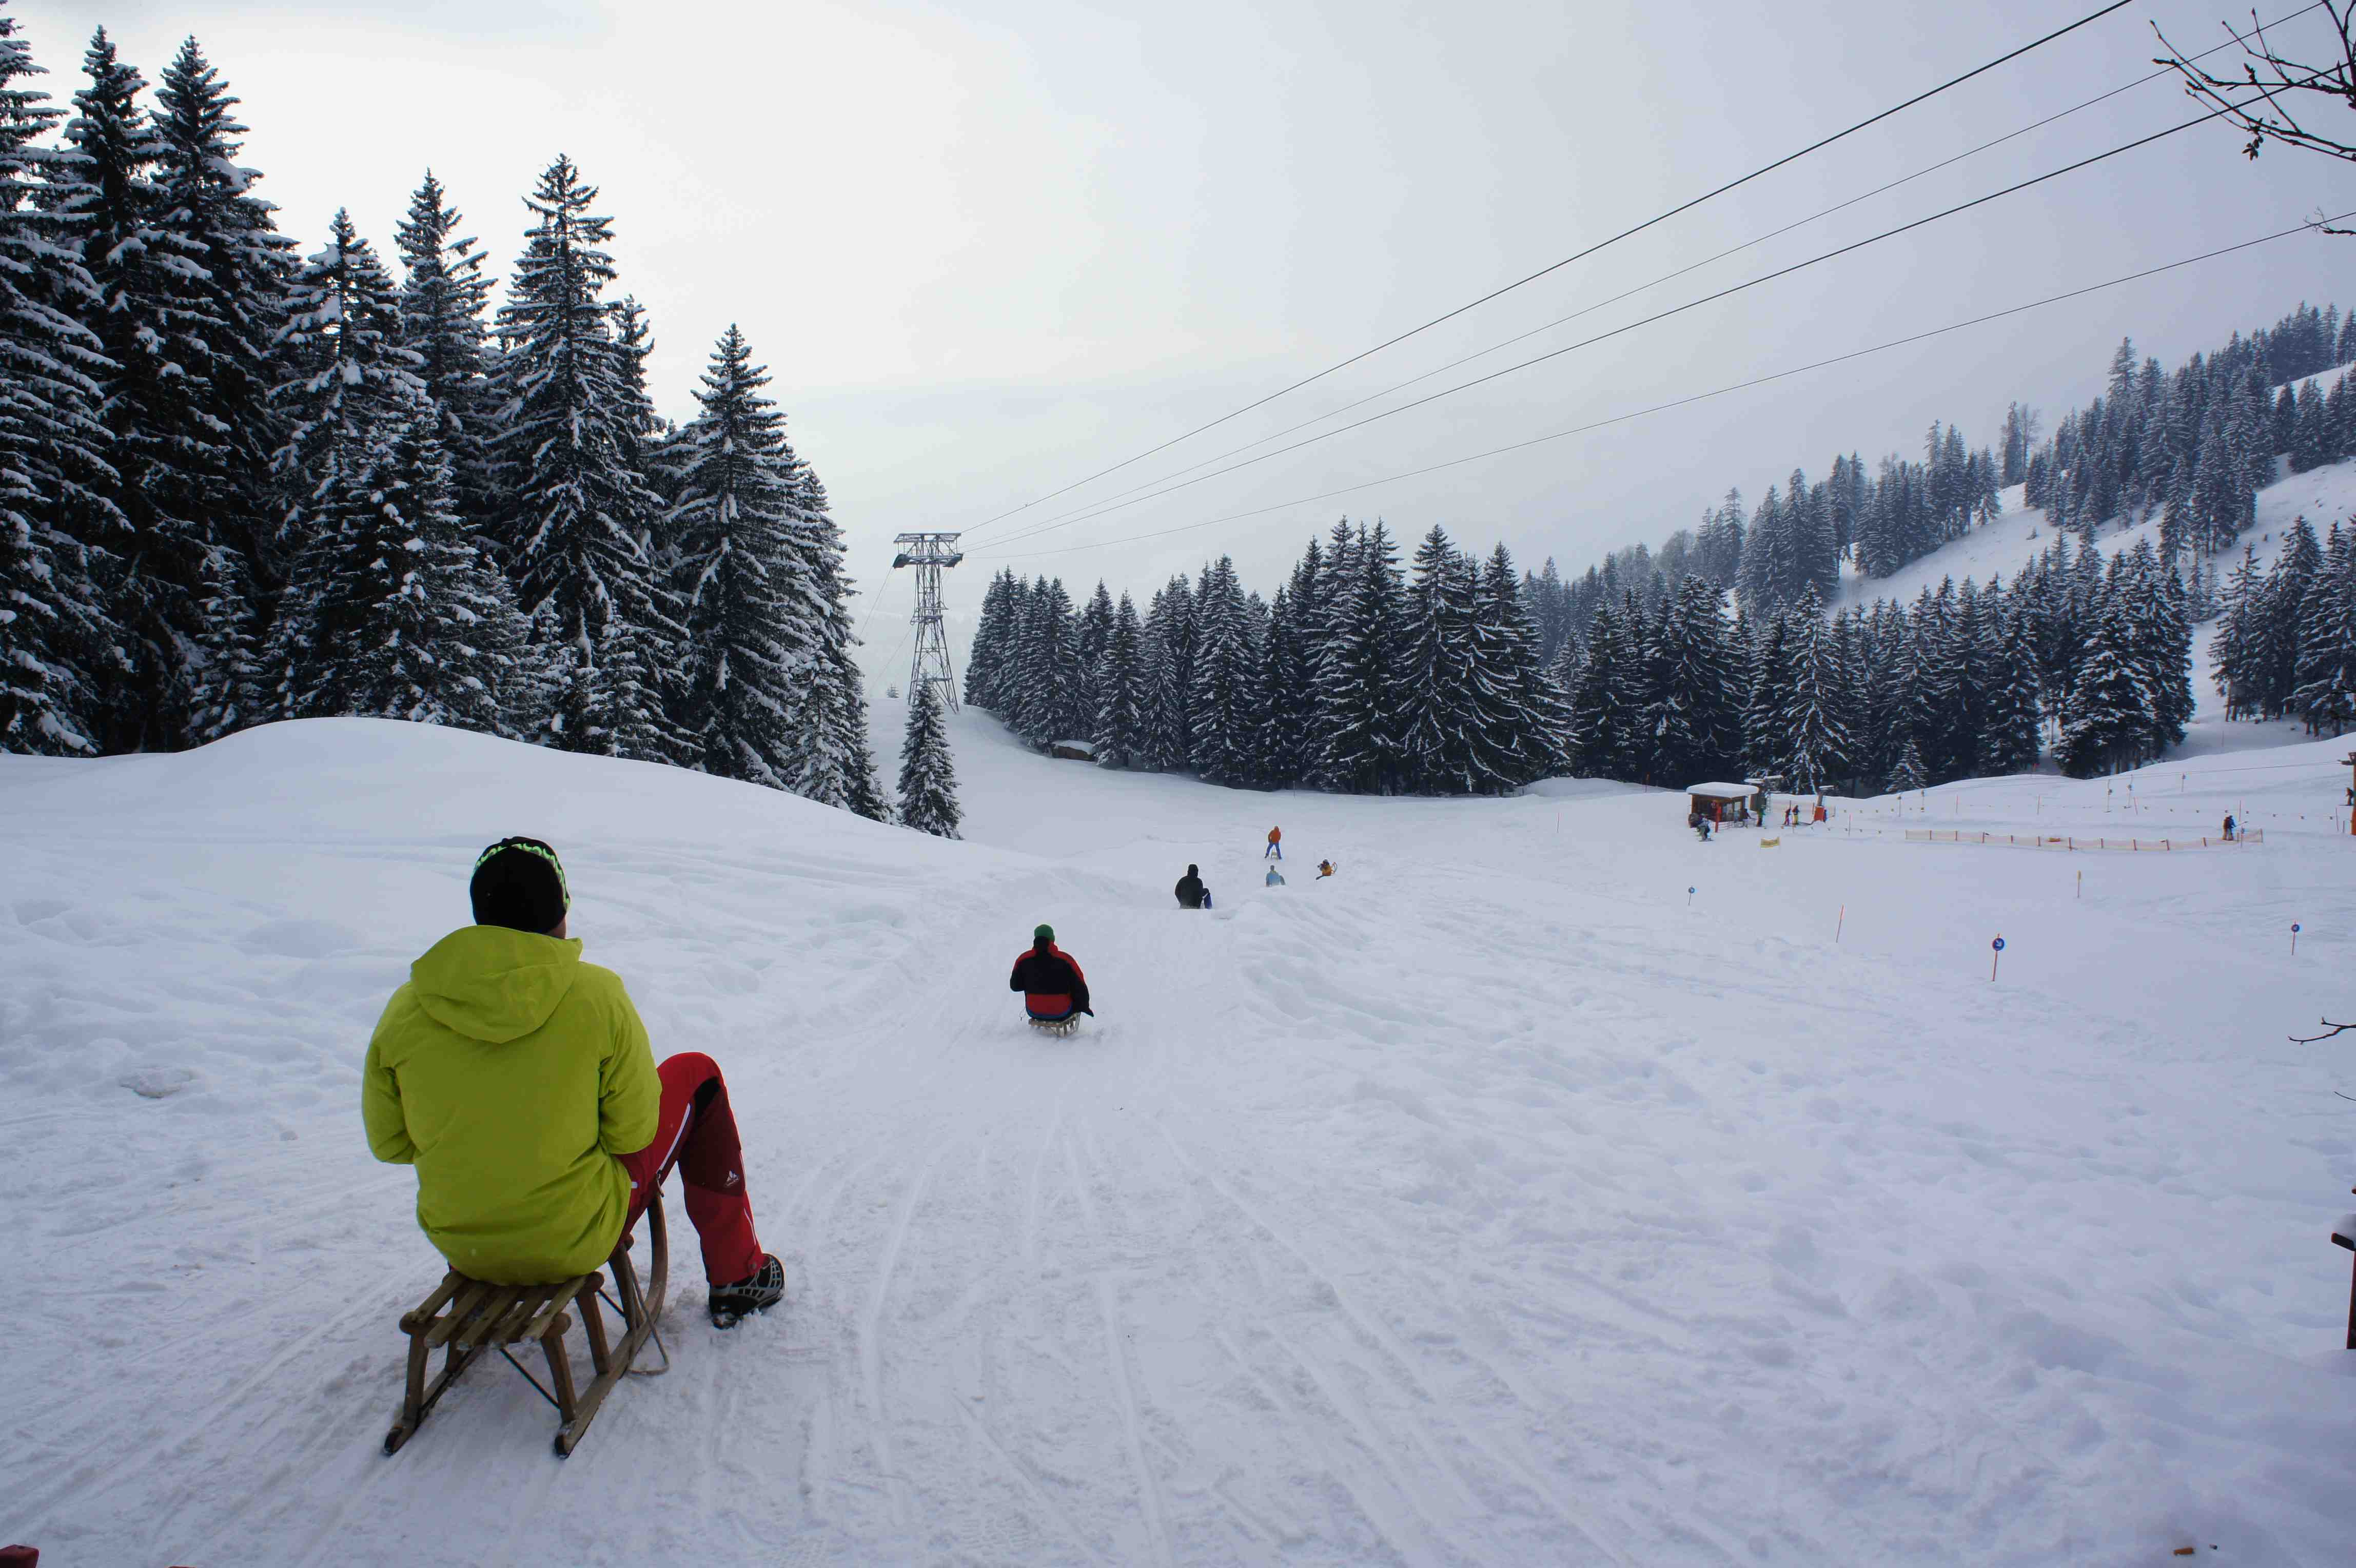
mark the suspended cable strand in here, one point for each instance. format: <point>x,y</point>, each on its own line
<point>1731,290</point>
<point>1679,402</point>
<point>1577,255</point>
<point>1640,288</point>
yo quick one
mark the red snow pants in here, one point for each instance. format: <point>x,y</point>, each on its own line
<point>696,1131</point>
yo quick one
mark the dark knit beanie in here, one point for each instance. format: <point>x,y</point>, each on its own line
<point>518,882</point>
<point>1045,936</point>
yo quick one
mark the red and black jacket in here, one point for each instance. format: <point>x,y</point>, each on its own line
<point>1052,983</point>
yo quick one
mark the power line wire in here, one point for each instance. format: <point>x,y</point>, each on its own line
<point>1110,506</point>
<point>1666,277</point>
<point>874,601</point>
<point>1683,402</point>
<point>1577,255</point>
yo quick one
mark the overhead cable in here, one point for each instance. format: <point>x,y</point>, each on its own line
<point>1732,289</point>
<point>1626,294</point>
<point>2309,227</point>
<point>1577,255</point>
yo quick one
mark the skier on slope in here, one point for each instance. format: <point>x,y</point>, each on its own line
<point>1052,987</point>
<point>1192,894</point>
<point>519,1082</point>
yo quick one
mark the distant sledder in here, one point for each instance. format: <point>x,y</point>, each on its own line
<point>1055,991</point>
<point>1192,894</point>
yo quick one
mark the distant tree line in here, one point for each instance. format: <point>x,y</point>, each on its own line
<point>1356,676</point>
<point>2196,444</point>
<point>2092,660</point>
<point>1360,676</point>
<point>2287,644</point>
<point>239,486</point>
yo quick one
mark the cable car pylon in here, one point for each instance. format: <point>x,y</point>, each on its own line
<point>929,553</point>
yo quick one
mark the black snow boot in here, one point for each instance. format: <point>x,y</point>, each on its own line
<point>758,1293</point>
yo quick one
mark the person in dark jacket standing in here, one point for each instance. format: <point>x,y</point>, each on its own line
<point>1052,987</point>
<point>1192,894</point>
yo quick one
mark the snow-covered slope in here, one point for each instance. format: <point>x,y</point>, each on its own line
<point>2002,548</point>
<point>1497,1201</point>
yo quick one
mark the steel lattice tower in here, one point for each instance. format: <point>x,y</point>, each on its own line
<point>928,554</point>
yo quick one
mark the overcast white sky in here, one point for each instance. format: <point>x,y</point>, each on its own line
<point>989,249</point>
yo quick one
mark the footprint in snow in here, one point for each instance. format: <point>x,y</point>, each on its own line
<point>157,1082</point>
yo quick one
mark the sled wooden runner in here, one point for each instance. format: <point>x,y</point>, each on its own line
<point>463,1318</point>
<point>1058,1026</point>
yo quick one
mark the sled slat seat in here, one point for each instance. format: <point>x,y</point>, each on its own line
<point>462,1317</point>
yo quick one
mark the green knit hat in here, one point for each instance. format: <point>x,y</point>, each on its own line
<point>1044,934</point>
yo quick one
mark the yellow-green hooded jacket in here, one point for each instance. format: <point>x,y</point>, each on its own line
<point>511,1074</point>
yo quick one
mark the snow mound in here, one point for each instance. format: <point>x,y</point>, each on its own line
<point>1498,1200</point>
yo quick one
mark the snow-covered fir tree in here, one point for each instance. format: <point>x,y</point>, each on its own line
<point>1906,773</point>
<point>2324,694</point>
<point>162,452</point>
<point>747,579</point>
<point>1359,748</point>
<point>1121,696</point>
<point>401,615</point>
<point>443,296</point>
<point>986,664</point>
<point>2109,723</point>
<point>581,511</point>
<point>59,648</point>
<point>206,210</point>
<point>1442,605</point>
<point>1226,681</point>
<point>1519,719</point>
<point>1608,737</point>
<point>1170,637</point>
<point>1812,741</point>
<point>1284,692</point>
<point>928,776</point>
<point>343,372</point>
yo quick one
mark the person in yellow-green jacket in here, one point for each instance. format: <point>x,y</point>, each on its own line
<point>520,1083</point>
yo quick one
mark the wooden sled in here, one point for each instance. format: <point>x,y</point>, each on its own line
<point>465,1316</point>
<point>1057,1026</point>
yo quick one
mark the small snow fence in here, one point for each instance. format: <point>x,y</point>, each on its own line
<point>2069,842</point>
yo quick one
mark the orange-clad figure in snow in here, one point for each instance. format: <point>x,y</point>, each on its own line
<point>1052,987</point>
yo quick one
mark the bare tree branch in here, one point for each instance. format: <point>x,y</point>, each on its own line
<point>2279,80</point>
<point>2331,1029</point>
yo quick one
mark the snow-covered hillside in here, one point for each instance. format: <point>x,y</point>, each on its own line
<point>1546,1187</point>
<point>2002,548</point>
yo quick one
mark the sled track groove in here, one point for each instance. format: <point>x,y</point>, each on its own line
<point>870,1327</point>
<point>1394,1360</point>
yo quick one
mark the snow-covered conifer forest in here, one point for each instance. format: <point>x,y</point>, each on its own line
<point>256,483</point>
<point>248,477</point>
<point>1451,675</point>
